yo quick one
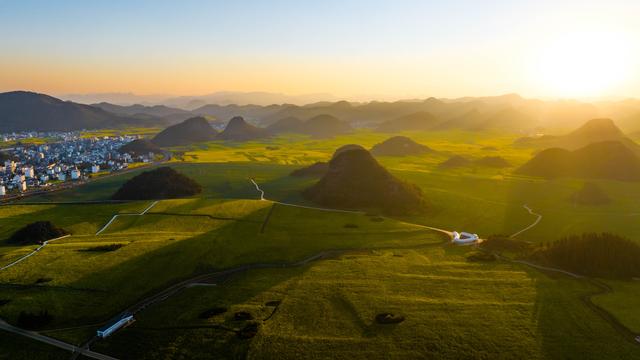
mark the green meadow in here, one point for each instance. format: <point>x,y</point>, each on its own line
<point>454,308</point>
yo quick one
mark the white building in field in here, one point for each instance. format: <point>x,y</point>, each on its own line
<point>111,328</point>
<point>464,238</point>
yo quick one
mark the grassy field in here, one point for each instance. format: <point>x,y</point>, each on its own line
<point>171,242</point>
<point>478,199</point>
<point>16,347</point>
<point>453,309</point>
<point>623,302</point>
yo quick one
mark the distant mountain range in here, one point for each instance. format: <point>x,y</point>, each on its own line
<point>193,102</point>
<point>320,126</point>
<point>28,111</point>
<point>595,130</point>
<point>602,160</point>
<point>509,113</point>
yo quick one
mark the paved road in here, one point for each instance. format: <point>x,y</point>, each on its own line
<point>54,342</point>
<point>33,252</point>
<point>262,197</point>
<point>117,215</point>
<point>539,217</point>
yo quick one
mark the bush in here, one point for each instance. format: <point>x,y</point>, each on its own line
<point>37,233</point>
<point>104,248</point>
<point>161,183</point>
<point>482,257</point>
<point>242,315</point>
<point>29,320</point>
<point>248,331</point>
<point>389,318</point>
<point>212,312</point>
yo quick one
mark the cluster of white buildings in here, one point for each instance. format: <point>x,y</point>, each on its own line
<point>72,158</point>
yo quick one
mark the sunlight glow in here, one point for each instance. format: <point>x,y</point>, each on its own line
<point>583,64</point>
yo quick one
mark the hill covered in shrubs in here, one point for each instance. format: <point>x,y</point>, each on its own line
<point>604,160</point>
<point>356,180</point>
<point>239,130</point>
<point>36,233</point>
<point>590,194</point>
<point>190,131</point>
<point>399,146</point>
<point>161,183</point>
<point>320,126</point>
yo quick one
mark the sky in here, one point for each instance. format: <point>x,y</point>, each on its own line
<point>354,49</point>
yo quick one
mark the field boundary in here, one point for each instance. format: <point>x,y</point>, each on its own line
<point>116,216</point>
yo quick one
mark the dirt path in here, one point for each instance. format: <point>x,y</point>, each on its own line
<point>539,217</point>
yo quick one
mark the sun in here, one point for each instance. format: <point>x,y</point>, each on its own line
<point>582,64</point>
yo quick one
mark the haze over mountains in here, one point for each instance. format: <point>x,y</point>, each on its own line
<point>595,130</point>
<point>601,160</point>
<point>28,111</point>
<point>510,113</point>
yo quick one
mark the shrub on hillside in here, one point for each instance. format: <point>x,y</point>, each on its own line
<point>590,194</point>
<point>36,233</point>
<point>161,183</point>
<point>29,320</point>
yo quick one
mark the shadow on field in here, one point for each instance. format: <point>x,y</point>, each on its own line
<point>567,328</point>
<point>176,323</point>
<point>86,219</point>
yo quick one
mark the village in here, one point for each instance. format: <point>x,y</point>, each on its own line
<point>27,167</point>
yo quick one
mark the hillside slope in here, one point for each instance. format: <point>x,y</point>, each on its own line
<point>190,131</point>
<point>356,180</point>
<point>399,146</point>
<point>604,160</point>
<point>595,130</point>
<point>28,111</point>
<point>239,130</point>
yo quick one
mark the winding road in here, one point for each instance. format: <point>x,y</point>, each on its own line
<point>210,279</point>
<point>539,217</point>
<point>33,252</point>
<point>117,215</point>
